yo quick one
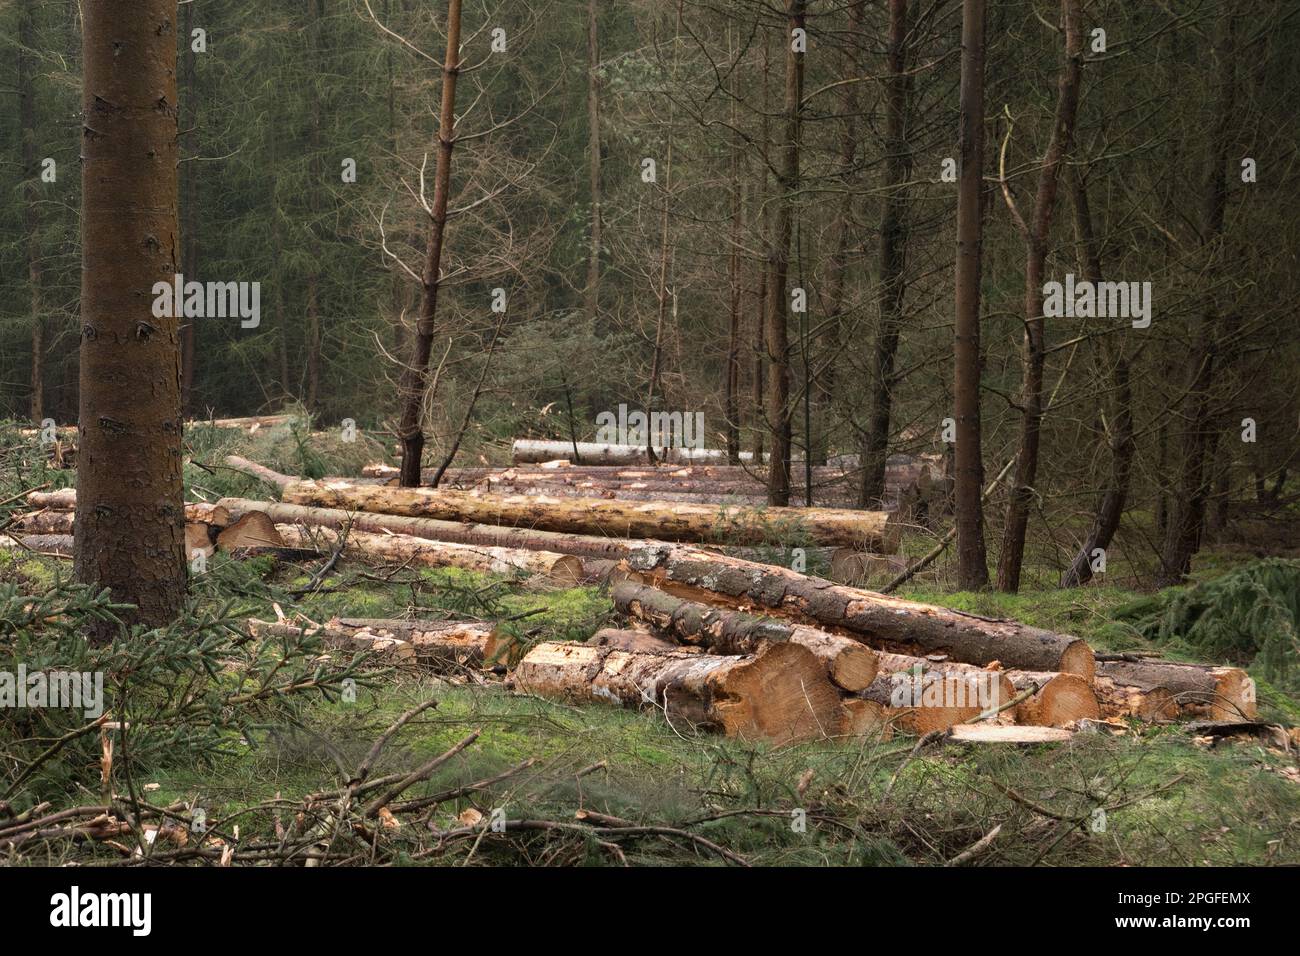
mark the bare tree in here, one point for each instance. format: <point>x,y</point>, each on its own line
<point>1037,234</point>
<point>415,374</point>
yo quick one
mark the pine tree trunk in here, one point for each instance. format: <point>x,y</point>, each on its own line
<point>31,208</point>
<point>972,561</point>
<point>778,264</point>
<point>1187,508</point>
<point>1037,233</point>
<point>190,206</point>
<point>593,160</point>
<point>1110,507</point>
<point>414,377</point>
<point>893,256</point>
<point>130,519</point>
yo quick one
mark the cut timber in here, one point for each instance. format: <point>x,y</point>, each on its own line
<point>399,549</point>
<point>334,637</point>
<point>494,536</point>
<point>1000,734</point>
<point>920,696</point>
<point>55,544</point>
<point>531,451</point>
<point>883,621</point>
<point>866,718</point>
<point>472,643</point>
<point>260,472</point>
<point>45,522</point>
<point>781,695</point>
<point>692,522</point>
<point>254,530</point>
<point>850,664</point>
<point>1219,693</point>
<point>65,499</point>
<point>62,502</point>
<point>198,538</point>
<point>639,641</point>
<point>1060,699</point>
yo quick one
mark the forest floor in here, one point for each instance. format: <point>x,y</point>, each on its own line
<point>1168,798</point>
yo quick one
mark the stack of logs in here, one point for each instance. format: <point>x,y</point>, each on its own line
<point>711,638</point>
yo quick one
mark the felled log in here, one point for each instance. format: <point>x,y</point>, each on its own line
<point>642,642</point>
<point>335,637</point>
<point>56,544</point>
<point>528,450</point>
<point>985,733</point>
<point>253,529</point>
<point>64,501</point>
<point>586,546</point>
<point>781,695</point>
<point>1164,690</point>
<point>44,522</point>
<point>919,696</point>
<point>1058,699</point>
<point>433,643</point>
<point>867,529</point>
<point>260,472</point>
<point>849,664</point>
<point>402,549</point>
<point>883,621</point>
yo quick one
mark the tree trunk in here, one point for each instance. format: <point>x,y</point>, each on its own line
<point>850,664</point>
<point>1110,507</point>
<point>893,258</point>
<point>1037,232</point>
<point>887,623</point>
<point>972,561</point>
<point>593,160</point>
<point>316,13</point>
<point>823,384</point>
<point>778,264</point>
<point>130,519</point>
<point>1187,511</point>
<point>781,695</point>
<point>189,204</point>
<point>415,375</point>
<point>30,198</point>
<point>691,522</point>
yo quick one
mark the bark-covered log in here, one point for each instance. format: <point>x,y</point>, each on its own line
<point>57,544</point>
<point>885,622</point>
<point>642,642</point>
<point>690,522</point>
<point>260,472</point>
<point>849,664</point>
<point>530,451</point>
<point>781,695</point>
<point>584,546</point>
<point>1166,689</point>
<point>65,500</point>
<point>399,549</point>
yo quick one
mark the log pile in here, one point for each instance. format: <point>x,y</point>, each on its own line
<point>710,638</point>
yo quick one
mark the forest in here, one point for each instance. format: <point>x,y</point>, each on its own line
<point>625,433</point>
